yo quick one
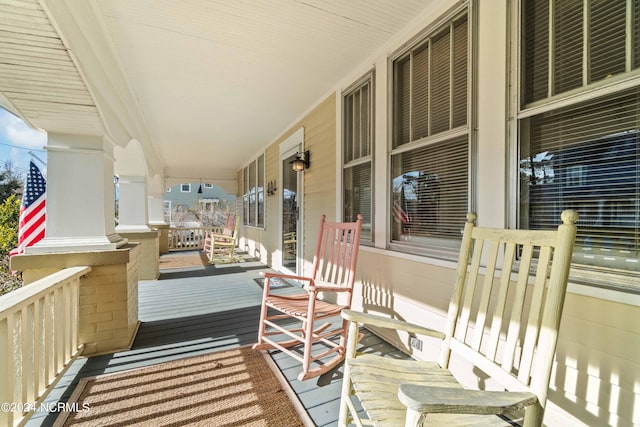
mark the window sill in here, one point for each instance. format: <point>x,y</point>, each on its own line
<point>612,285</point>
<point>615,286</point>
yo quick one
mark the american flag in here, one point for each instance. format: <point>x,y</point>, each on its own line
<point>32,210</point>
<point>400,214</point>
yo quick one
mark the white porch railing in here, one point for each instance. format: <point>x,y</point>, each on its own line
<point>38,341</point>
<point>189,238</point>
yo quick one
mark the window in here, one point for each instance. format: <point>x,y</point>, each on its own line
<point>358,154</point>
<point>253,193</point>
<point>185,188</point>
<point>208,185</point>
<point>431,138</point>
<point>579,125</point>
<point>169,190</point>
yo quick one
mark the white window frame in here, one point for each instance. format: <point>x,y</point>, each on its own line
<point>602,278</point>
<point>258,195</point>
<point>367,79</point>
<point>182,190</point>
<point>437,247</point>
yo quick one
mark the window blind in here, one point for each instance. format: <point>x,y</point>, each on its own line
<point>585,44</point>
<point>568,45</point>
<point>358,196</point>
<point>430,85</point>
<point>252,193</point>
<point>430,191</point>
<point>583,156</point>
<point>357,145</point>
<point>245,196</point>
<point>430,184</point>
<point>607,25</point>
<point>402,101</point>
<point>260,192</point>
<point>587,157</point>
<point>536,54</point>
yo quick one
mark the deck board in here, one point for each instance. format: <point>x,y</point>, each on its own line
<point>198,310</point>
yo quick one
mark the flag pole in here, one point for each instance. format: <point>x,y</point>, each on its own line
<point>37,158</point>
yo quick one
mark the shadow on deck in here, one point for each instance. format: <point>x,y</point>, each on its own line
<point>201,309</point>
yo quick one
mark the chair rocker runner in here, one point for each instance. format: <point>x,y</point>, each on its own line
<point>221,247</point>
<point>333,271</point>
<point>503,320</point>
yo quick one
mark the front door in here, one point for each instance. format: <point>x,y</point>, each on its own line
<point>291,205</point>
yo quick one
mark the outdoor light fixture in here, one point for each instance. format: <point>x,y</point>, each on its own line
<point>200,188</point>
<point>301,162</point>
<point>271,188</point>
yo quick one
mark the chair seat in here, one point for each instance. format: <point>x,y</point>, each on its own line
<point>298,305</point>
<point>376,381</point>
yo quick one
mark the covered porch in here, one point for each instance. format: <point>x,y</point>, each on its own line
<point>195,310</point>
<point>413,113</point>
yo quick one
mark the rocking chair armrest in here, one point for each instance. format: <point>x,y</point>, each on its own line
<point>385,322</point>
<point>446,400</point>
<point>325,288</point>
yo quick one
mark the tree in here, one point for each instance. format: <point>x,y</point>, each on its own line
<point>9,181</point>
<point>9,218</point>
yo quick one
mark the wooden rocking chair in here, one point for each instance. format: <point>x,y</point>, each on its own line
<point>221,247</point>
<point>334,268</point>
<point>503,325</point>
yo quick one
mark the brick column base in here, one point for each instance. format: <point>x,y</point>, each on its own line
<point>149,266</point>
<point>108,306</point>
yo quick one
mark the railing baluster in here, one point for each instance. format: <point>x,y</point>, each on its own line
<point>48,339</point>
<point>189,238</point>
<point>11,365</point>
<point>38,366</point>
<point>38,337</point>
<point>6,358</point>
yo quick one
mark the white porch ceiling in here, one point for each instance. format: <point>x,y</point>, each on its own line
<point>204,85</point>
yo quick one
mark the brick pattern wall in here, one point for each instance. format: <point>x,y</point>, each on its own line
<point>109,306</point>
<point>150,254</point>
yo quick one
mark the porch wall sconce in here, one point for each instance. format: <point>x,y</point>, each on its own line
<point>271,188</point>
<point>301,162</point>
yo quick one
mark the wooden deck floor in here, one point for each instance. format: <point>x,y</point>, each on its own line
<point>197,310</point>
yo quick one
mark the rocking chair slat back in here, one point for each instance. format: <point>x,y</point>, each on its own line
<point>502,325</point>
<point>336,253</point>
<point>501,316</point>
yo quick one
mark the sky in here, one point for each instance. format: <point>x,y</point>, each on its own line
<point>16,140</point>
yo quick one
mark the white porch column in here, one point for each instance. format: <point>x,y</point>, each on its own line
<point>132,207</point>
<point>133,217</point>
<point>155,204</point>
<point>80,196</point>
<point>156,220</point>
